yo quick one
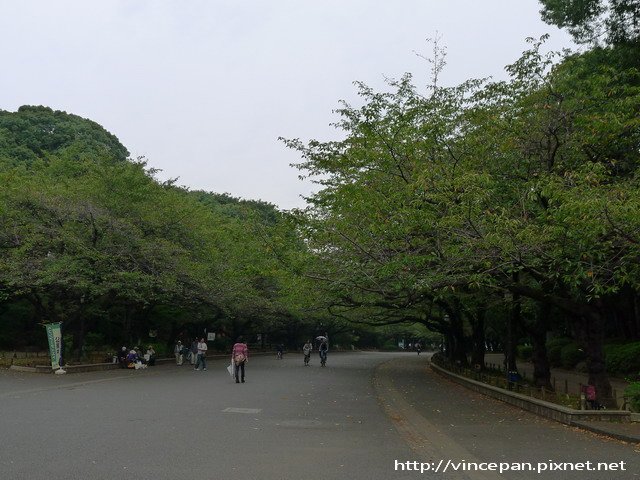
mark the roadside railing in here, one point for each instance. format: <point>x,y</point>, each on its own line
<point>495,376</point>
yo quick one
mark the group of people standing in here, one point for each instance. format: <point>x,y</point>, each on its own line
<point>196,354</point>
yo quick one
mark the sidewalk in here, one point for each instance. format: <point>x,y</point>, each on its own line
<point>559,377</point>
<point>628,432</point>
<point>444,419</point>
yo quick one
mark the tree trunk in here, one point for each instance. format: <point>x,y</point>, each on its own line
<point>512,340</point>
<point>591,331</point>
<point>541,367</point>
<point>478,338</point>
<point>636,315</point>
<point>458,353</point>
<point>538,334</point>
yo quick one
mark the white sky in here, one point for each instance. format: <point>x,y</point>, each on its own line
<point>203,88</point>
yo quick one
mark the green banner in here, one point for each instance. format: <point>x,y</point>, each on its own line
<point>54,335</point>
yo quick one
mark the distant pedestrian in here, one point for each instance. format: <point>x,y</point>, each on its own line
<point>202,355</point>
<point>122,357</point>
<point>193,351</point>
<point>178,352</point>
<point>418,347</point>
<point>306,350</point>
<point>323,350</point>
<point>239,358</point>
<point>150,356</point>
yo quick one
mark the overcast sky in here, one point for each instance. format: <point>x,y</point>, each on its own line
<point>203,88</point>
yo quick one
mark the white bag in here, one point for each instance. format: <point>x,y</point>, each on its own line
<point>230,369</point>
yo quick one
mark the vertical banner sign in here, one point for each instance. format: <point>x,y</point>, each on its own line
<point>54,335</point>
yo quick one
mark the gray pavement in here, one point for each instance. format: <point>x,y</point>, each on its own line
<point>449,421</point>
<point>351,420</point>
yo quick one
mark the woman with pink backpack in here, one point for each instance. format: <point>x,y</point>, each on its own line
<point>239,357</point>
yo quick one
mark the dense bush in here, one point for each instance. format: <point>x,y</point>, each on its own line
<point>390,345</point>
<point>623,358</point>
<point>571,354</point>
<point>554,349</point>
<point>525,352</point>
<point>633,393</point>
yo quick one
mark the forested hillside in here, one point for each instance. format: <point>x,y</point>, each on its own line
<point>91,238</point>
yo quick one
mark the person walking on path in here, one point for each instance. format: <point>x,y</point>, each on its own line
<point>323,350</point>
<point>178,352</point>
<point>202,355</point>
<point>239,357</point>
<point>306,350</point>
<point>194,351</point>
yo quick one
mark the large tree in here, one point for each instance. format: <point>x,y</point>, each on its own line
<point>595,21</point>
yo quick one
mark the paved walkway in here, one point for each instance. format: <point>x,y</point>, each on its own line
<point>559,376</point>
<point>444,420</point>
<point>367,416</point>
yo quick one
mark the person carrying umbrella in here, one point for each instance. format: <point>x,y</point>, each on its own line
<point>323,350</point>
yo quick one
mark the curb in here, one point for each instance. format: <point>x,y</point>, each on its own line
<point>594,428</point>
<point>96,367</point>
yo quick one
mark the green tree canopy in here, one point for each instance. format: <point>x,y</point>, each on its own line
<point>595,21</point>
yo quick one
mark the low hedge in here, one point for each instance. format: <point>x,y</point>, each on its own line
<point>623,358</point>
<point>633,393</point>
<point>554,350</point>
<point>525,352</point>
<point>571,354</point>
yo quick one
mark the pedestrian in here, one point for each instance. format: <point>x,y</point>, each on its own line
<point>178,351</point>
<point>202,355</point>
<point>323,350</point>
<point>306,350</point>
<point>122,357</point>
<point>418,347</point>
<point>194,351</point>
<point>150,356</point>
<point>239,357</point>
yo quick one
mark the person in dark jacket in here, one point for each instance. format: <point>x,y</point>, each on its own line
<point>122,357</point>
<point>323,350</point>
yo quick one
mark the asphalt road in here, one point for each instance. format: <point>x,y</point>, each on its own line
<point>363,417</point>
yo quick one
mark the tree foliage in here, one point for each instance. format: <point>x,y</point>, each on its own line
<point>91,238</point>
<point>438,207</point>
<point>595,21</point>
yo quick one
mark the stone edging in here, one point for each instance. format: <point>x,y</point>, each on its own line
<point>559,413</point>
<point>94,367</point>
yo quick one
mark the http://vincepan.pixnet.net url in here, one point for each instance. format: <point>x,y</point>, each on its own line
<point>443,466</point>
